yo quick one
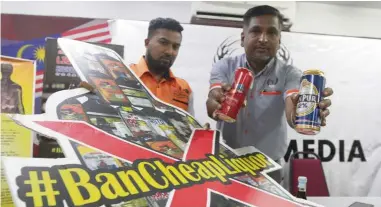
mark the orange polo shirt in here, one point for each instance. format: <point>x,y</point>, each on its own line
<point>174,90</point>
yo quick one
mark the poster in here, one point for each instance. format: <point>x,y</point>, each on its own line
<point>17,97</point>
<point>59,73</point>
<point>347,142</point>
<point>118,153</point>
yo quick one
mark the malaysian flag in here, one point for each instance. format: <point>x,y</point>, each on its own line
<point>93,31</point>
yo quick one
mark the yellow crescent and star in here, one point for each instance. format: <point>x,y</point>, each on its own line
<point>38,53</point>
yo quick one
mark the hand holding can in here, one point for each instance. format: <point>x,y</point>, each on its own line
<point>307,120</point>
<point>235,98</point>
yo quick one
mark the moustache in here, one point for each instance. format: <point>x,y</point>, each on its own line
<point>262,46</point>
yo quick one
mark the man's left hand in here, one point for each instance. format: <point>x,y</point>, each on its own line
<point>323,105</point>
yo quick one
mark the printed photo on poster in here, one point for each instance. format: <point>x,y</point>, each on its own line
<point>163,129</point>
<point>140,101</point>
<point>109,90</point>
<point>11,92</point>
<point>72,112</point>
<point>165,146</point>
<point>95,160</point>
<point>117,69</point>
<point>59,73</point>
<point>136,124</point>
<point>111,124</point>
<point>134,92</point>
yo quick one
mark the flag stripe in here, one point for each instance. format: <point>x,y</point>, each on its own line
<point>96,35</point>
<point>88,33</point>
<point>39,85</point>
<point>106,41</point>
<point>76,31</point>
<point>38,94</point>
<point>98,39</point>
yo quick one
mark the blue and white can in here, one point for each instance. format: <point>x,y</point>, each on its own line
<point>307,119</point>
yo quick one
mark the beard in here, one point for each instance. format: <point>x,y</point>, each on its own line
<point>158,66</point>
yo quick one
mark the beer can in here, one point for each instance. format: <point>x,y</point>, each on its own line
<point>234,99</point>
<point>307,120</point>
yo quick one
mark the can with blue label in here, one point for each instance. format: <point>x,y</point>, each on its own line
<point>307,120</point>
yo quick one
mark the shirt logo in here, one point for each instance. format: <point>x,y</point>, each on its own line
<point>271,83</point>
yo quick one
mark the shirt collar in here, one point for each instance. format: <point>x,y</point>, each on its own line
<point>266,69</point>
<point>143,68</point>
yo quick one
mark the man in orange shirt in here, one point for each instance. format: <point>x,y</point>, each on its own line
<point>162,46</point>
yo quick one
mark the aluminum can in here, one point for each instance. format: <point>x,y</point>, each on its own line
<point>234,99</point>
<point>307,120</point>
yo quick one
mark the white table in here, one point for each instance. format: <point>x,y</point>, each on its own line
<point>345,201</point>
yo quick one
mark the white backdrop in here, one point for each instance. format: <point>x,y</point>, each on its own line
<point>353,70</point>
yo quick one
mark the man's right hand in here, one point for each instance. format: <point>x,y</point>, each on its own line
<point>215,98</point>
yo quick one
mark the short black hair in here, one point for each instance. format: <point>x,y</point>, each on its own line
<point>164,23</point>
<point>260,11</point>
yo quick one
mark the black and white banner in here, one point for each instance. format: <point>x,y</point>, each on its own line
<point>350,146</point>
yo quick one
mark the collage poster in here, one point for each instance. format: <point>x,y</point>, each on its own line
<point>17,97</point>
<point>121,141</point>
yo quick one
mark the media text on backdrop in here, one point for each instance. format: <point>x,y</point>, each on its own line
<point>261,38</point>
<point>356,152</point>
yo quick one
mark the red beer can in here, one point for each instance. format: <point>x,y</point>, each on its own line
<point>234,99</point>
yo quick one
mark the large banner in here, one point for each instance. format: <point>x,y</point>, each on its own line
<point>17,97</point>
<point>124,147</point>
<point>349,145</point>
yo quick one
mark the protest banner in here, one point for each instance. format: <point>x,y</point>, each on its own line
<point>124,153</point>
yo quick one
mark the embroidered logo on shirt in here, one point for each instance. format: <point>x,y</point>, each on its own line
<point>272,82</point>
